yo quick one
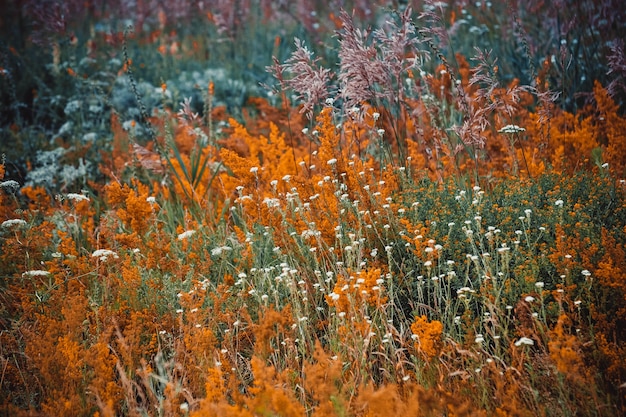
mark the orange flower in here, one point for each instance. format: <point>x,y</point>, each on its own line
<point>353,291</point>
<point>427,336</point>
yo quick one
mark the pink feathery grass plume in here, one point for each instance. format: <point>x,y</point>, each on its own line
<point>308,80</point>
<point>373,66</point>
<point>617,69</point>
<point>361,71</point>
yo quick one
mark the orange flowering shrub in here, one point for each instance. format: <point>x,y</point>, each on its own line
<point>565,351</point>
<point>609,129</point>
<point>427,337</point>
<point>358,290</point>
<point>132,206</point>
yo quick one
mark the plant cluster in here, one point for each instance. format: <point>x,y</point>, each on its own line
<point>400,228</point>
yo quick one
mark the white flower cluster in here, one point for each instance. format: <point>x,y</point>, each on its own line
<point>36,273</point>
<point>219,250</point>
<point>511,129</point>
<point>524,341</point>
<point>186,234</point>
<point>76,197</point>
<point>7,224</point>
<point>104,254</point>
<point>9,185</point>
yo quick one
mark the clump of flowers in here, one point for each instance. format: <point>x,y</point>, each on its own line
<point>427,337</point>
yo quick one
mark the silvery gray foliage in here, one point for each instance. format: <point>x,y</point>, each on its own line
<point>84,112</point>
<point>125,103</point>
<point>66,128</point>
<point>229,92</point>
<point>72,107</point>
<point>89,137</point>
<point>49,171</point>
<point>195,84</point>
<point>9,186</point>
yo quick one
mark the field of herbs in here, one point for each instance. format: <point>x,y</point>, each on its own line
<point>344,208</point>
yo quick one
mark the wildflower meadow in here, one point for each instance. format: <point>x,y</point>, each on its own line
<point>343,208</point>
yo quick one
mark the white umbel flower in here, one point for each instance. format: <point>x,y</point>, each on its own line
<point>104,254</point>
<point>524,341</point>
<point>511,129</point>
<point>186,234</point>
